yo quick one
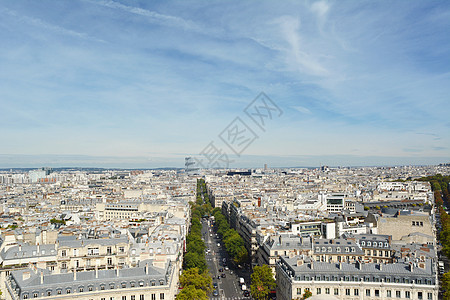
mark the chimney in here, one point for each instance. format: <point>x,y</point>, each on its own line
<point>380,267</point>
<point>117,271</point>
<point>37,249</point>
<point>20,247</point>
<point>42,277</point>
<point>96,271</point>
<point>312,265</point>
<point>299,262</point>
<point>75,274</point>
<point>411,267</point>
<point>146,269</point>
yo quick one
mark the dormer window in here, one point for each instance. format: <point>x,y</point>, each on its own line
<point>369,244</point>
<point>363,243</point>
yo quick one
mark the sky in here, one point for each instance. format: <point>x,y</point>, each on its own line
<point>143,84</point>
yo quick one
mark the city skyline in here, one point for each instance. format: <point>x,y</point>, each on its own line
<point>119,85</point>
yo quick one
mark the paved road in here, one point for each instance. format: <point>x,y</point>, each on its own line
<point>228,287</point>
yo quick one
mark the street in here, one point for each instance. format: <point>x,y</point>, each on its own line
<point>227,287</point>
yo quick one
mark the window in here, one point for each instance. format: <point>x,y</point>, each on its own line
<point>49,293</point>
<point>141,297</point>
<point>397,294</point>
<point>413,223</point>
<point>153,283</point>
<point>59,292</point>
<point>25,296</point>
<point>327,291</point>
<point>347,292</point>
<point>319,291</point>
<point>63,253</point>
<point>102,287</point>
<point>430,296</point>
<point>407,294</point>
<point>368,292</point>
<point>161,296</point>
<point>121,249</point>
<point>419,295</point>
<point>336,291</point>
<point>377,293</point>
<point>68,291</point>
<point>124,297</point>
<point>124,285</point>
<point>133,297</point>
<point>108,250</point>
<point>64,265</point>
<point>80,289</point>
<point>356,292</point>
<point>389,293</point>
<point>153,297</point>
<point>35,295</point>
<point>90,288</point>
<point>299,291</point>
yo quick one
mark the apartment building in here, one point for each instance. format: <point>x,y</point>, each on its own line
<point>356,281</point>
<point>148,281</point>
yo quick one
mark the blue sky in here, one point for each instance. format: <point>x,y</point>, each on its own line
<point>145,83</point>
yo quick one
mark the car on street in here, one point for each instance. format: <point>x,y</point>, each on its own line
<point>246,294</point>
<point>215,285</point>
<point>223,275</point>
<point>215,293</point>
<point>220,270</point>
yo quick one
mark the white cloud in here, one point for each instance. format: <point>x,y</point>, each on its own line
<point>302,109</point>
<point>303,61</point>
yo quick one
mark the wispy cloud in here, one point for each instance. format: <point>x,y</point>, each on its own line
<point>152,16</point>
<point>47,26</point>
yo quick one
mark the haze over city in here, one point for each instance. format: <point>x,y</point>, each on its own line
<point>143,84</point>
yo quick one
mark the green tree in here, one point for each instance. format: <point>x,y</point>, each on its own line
<point>262,282</point>
<point>199,280</point>
<point>194,260</point>
<point>446,285</point>
<point>191,293</point>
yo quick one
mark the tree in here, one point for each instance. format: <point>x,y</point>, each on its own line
<point>262,282</point>
<point>191,293</point>
<point>194,260</point>
<point>193,277</point>
<point>446,285</point>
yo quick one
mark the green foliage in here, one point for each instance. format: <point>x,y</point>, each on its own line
<point>56,221</point>
<point>234,244</point>
<point>199,280</point>
<point>191,293</point>
<point>262,282</point>
<point>446,285</point>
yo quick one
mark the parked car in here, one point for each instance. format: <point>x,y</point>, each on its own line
<point>215,293</point>
<point>246,293</point>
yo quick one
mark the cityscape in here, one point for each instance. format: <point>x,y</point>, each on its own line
<point>224,150</point>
